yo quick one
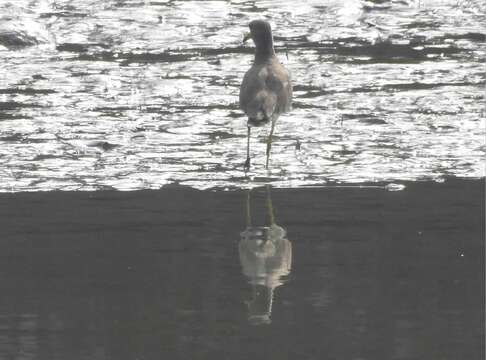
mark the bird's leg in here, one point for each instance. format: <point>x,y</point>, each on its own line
<point>271,215</point>
<point>248,208</point>
<point>269,141</point>
<point>247,162</point>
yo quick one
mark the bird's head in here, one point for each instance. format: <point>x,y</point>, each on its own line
<point>260,33</point>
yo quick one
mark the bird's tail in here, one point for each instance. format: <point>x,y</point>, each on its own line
<point>260,119</point>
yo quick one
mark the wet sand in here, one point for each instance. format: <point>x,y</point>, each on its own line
<point>156,274</point>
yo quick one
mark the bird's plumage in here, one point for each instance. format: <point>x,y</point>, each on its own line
<point>266,91</point>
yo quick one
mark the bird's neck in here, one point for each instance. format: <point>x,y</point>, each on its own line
<point>264,50</point>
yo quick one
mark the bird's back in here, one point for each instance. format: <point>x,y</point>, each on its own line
<point>266,91</point>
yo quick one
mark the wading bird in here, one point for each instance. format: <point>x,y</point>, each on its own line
<point>266,90</point>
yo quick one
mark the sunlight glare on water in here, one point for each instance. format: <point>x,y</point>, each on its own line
<point>134,95</point>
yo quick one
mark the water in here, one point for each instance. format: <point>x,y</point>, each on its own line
<point>134,95</point>
<point>140,94</point>
<point>344,273</point>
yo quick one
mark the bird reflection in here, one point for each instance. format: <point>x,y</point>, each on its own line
<point>265,257</point>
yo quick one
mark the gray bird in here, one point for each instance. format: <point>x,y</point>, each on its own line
<point>266,91</point>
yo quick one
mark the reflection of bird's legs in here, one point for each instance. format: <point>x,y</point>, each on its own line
<point>269,141</point>
<point>271,216</point>
<point>247,162</point>
<point>248,208</point>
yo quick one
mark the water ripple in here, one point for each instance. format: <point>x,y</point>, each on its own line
<point>131,95</point>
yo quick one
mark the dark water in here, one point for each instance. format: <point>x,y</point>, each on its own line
<point>337,273</point>
<point>132,94</point>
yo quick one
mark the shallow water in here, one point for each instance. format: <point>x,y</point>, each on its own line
<point>138,94</point>
<point>349,273</point>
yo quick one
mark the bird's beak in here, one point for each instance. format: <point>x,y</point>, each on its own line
<point>246,37</point>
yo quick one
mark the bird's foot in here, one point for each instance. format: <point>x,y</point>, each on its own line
<point>297,145</point>
<point>247,164</point>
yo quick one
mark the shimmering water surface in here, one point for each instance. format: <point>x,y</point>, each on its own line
<point>132,94</point>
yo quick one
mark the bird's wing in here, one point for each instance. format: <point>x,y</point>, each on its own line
<point>266,91</point>
<point>278,82</point>
<point>254,98</point>
<point>247,88</point>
